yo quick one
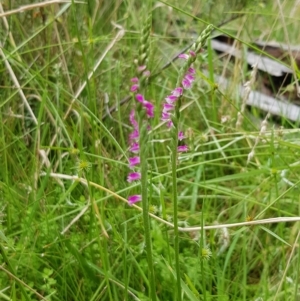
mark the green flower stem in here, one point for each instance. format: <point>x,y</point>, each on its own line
<point>175,209</point>
<point>174,157</point>
<point>201,248</point>
<point>144,51</point>
<point>174,153</point>
<point>145,205</point>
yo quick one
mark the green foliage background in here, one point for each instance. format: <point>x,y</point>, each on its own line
<point>101,256</point>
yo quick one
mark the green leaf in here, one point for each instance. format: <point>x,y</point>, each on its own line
<point>275,235</point>
<point>3,237</point>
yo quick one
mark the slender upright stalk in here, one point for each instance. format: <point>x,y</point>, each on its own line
<point>173,103</point>
<point>175,210</point>
<point>139,143</point>
<point>145,206</point>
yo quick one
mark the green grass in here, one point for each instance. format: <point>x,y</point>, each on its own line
<point>67,232</point>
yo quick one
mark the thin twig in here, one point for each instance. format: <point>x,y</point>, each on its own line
<point>22,8</point>
<point>287,265</point>
<point>118,36</point>
<point>181,229</point>
<point>76,218</point>
<point>8,33</point>
<point>17,84</point>
<point>22,283</point>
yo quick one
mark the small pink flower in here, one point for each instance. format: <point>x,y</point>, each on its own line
<point>186,83</point>
<point>168,107</point>
<point>169,123</point>
<point>135,80</point>
<point>190,77</point>
<point>134,148</point>
<point>171,98</point>
<point>134,135</point>
<point>134,199</point>
<point>150,113</point>
<point>147,73</point>
<point>134,176</point>
<point>182,148</point>
<point>177,91</point>
<point>134,88</point>
<point>180,136</point>
<point>191,70</point>
<point>132,120</point>
<point>148,105</point>
<point>165,116</point>
<point>149,108</point>
<point>183,56</point>
<point>134,161</point>
<point>140,98</point>
<point>192,53</point>
<point>142,68</point>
